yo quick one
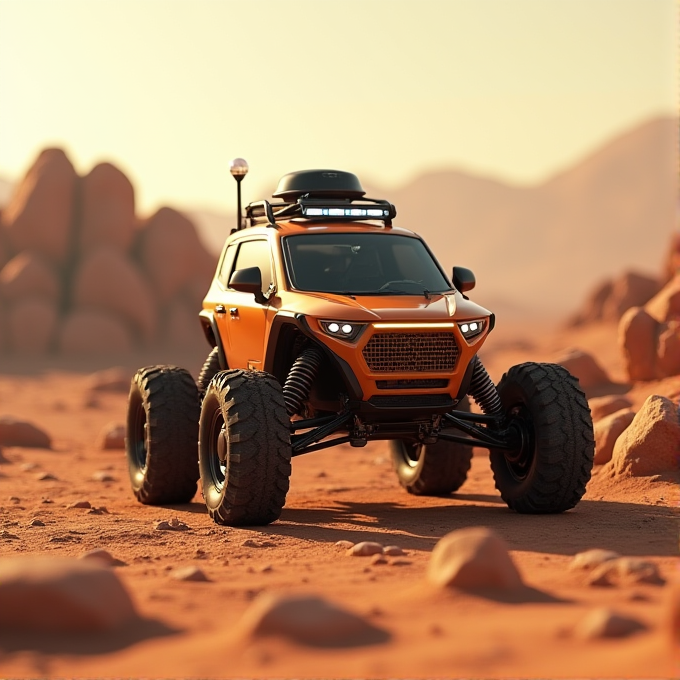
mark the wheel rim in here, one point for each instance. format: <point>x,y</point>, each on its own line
<point>139,450</point>
<point>412,453</point>
<point>217,443</point>
<point>521,459</point>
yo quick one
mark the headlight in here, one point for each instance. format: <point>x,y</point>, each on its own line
<point>471,329</point>
<point>343,330</point>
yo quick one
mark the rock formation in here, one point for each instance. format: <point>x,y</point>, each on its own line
<point>81,273</point>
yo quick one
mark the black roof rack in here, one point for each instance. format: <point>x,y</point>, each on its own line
<point>320,195</point>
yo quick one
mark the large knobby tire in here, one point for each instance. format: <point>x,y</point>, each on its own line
<point>432,469</point>
<point>244,448</point>
<point>548,473</point>
<point>211,367</point>
<point>162,435</point>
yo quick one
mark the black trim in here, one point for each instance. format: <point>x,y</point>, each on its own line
<point>212,335</point>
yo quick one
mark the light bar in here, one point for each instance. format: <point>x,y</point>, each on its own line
<point>413,325</point>
<point>344,212</point>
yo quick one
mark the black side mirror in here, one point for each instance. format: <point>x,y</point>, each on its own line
<point>248,281</point>
<point>463,279</point>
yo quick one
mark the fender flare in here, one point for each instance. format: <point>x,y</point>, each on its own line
<point>212,335</point>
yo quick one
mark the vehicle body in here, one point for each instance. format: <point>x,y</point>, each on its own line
<point>322,307</point>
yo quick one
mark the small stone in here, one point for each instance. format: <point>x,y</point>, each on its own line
<point>321,474</point>
<point>98,511</point>
<point>35,522</point>
<point>46,501</point>
<point>14,499</point>
<point>638,571</point>
<point>91,402</point>
<point>103,556</point>
<point>173,525</point>
<point>378,559</point>
<point>6,535</point>
<point>600,577</point>
<point>266,569</point>
<point>399,563</point>
<point>252,543</point>
<point>346,545</point>
<point>112,437</point>
<point>116,379</point>
<point>365,548</point>
<point>606,623</point>
<point>193,574</point>
<point>80,504</point>
<point>46,477</point>
<point>28,467</point>
<point>393,551</point>
<point>589,559</point>
<point>200,554</point>
<point>103,476</point>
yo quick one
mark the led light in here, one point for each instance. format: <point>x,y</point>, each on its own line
<point>346,329</point>
<point>465,328</point>
<point>334,328</point>
<point>314,211</point>
<point>473,326</point>
<point>375,213</point>
<point>472,329</point>
<point>413,325</point>
<point>336,212</point>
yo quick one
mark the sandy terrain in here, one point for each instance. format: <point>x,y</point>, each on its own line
<point>191,629</point>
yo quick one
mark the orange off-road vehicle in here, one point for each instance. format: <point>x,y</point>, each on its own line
<point>330,326</point>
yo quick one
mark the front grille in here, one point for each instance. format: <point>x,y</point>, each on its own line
<point>411,401</point>
<point>421,383</point>
<point>411,352</point>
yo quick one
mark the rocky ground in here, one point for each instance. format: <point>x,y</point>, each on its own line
<point>211,601</point>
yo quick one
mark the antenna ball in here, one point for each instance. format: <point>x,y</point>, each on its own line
<point>238,167</point>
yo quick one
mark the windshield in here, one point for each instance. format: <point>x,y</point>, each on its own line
<point>362,264</point>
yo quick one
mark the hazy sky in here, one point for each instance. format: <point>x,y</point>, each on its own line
<point>171,90</point>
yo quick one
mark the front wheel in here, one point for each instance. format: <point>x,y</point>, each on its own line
<point>244,449</point>
<point>548,470</point>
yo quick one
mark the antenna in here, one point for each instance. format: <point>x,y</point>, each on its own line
<point>239,169</point>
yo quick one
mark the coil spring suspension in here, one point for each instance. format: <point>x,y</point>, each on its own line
<point>484,392</point>
<point>300,378</point>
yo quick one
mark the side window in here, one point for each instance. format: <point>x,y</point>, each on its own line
<point>227,265</point>
<point>256,254</point>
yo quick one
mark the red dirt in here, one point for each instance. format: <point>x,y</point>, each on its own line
<point>192,628</point>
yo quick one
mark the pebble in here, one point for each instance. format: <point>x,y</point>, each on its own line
<point>365,548</point>
<point>173,525</point>
<point>378,559</point>
<point>14,499</point>
<point>252,543</point>
<point>112,437</point>
<point>606,623</point>
<point>102,510</point>
<point>7,535</point>
<point>28,467</point>
<point>592,558</point>
<point>344,544</point>
<point>80,504</point>
<point>103,556</point>
<point>393,551</point>
<point>399,563</point>
<point>103,476</point>
<point>193,574</point>
<point>46,477</point>
<point>35,522</point>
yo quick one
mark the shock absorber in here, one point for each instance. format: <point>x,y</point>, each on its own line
<point>300,378</point>
<point>483,391</point>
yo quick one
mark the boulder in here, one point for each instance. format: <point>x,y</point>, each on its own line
<point>650,445</point>
<point>28,274</point>
<point>668,349</point>
<point>584,367</point>
<point>61,595</point>
<point>169,237</point>
<point>40,213</point>
<point>307,620</point>
<point>603,406</point>
<point>31,326</point>
<point>638,332</point>
<point>665,305</point>
<point>631,289</point>
<point>87,331</point>
<point>108,281</point>
<point>107,210</point>
<point>606,623</point>
<point>21,433</point>
<point>607,431</point>
<point>473,558</point>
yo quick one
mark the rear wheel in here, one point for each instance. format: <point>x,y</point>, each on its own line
<point>432,469</point>
<point>244,448</point>
<point>211,367</point>
<point>551,465</point>
<point>161,436</point>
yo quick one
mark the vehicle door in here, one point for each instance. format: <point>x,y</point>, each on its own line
<point>242,321</point>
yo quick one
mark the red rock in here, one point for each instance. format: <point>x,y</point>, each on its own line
<point>668,349</point>
<point>190,574</point>
<point>473,558</point>
<point>108,281</point>
<point>307,620</point>
<point>40,213</point>
<point>112,437</point>
<point>103,556</point>
<point>665,305</point>
<point>29,275</point>
<point>638,333</point>
<point>21,433</point>
<point>631,289</point>
<point>605,623</point>
<point>651,443</point>
<point>169,237</point>
<point>607,431</point>
<point>584,367</point>
<point>365,548</point>
<point>50,594</point>
<point>31,326</point>
<point>108,209</point>
<point>603,406</point>
<point>93,332</point>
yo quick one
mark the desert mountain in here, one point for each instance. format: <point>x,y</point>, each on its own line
<point>537,250</point>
